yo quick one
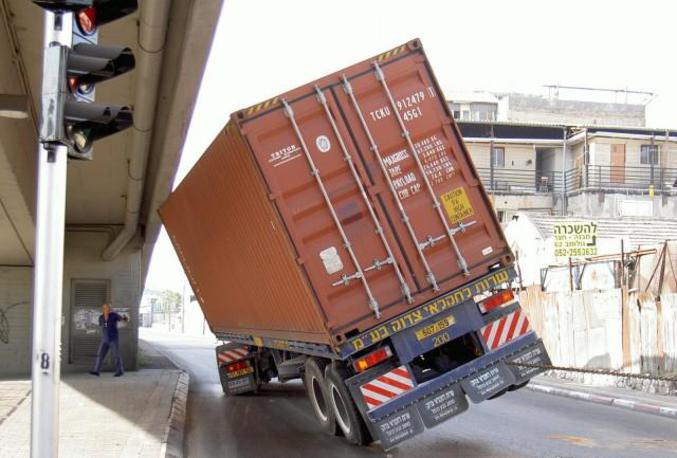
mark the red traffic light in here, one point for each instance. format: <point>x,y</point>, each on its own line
<point>78,87</point>
<point>86,20</point>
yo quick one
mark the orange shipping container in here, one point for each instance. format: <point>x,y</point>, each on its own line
<point>331,208</point>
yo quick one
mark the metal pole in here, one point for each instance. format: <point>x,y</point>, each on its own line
<point>48,275</point>
<point>47,298</point>
<point>564,160</point>
<point>491,159</point>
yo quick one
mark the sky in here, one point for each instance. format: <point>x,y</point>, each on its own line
<point>264,47</point>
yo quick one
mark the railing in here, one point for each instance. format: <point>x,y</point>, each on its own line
<point>627,178</point>
<point>520,181</point>
<point>590,177</point>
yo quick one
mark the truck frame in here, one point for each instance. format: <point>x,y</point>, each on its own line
<point>413,372</point>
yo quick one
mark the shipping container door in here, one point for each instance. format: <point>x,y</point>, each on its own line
<point>426,182</point>
<point>309,163</point>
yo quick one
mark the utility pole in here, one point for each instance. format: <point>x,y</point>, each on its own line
<point>48,272</point>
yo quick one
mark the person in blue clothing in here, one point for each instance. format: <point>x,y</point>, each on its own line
<point>108,322</point>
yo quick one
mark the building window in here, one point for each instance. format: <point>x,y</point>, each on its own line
<point>498,157</point>
<point>456,110</point>
<point>648,154</point>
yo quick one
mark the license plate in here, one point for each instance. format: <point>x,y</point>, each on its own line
<point>434,328</point>
<point>241,372</point>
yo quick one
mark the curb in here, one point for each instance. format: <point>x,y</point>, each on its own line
<point>173,441</point>
<point>668,412</point>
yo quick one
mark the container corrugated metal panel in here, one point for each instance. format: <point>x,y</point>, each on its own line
<point>362,183</point>
<point>234,248</point>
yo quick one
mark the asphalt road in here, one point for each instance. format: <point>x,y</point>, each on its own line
<point>279,423</point>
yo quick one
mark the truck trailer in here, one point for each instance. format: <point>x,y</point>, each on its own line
<point>339,233</point>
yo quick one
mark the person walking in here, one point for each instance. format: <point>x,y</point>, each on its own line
<point>108,323</point>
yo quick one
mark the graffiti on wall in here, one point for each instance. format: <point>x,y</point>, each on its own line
<point>4,321</point>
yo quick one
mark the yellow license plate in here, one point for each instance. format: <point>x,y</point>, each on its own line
<point>241,372</point>
<point>435,328</point>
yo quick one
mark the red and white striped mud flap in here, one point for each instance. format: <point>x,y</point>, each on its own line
<point>386,387</point>
<point>232,354</point>
<point>505,329</point>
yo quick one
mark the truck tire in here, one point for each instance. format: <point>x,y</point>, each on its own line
<point>316,387</point>
<point>345,411</point>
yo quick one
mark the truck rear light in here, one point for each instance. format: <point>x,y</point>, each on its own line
<point>372,359</point>
<point>496,301</point>
<point>238,366</point>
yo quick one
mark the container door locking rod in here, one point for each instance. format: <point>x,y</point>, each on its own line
<point>430,276</point>
<point>406,292</point>
<point>373,305</point>
<point>436,204</point>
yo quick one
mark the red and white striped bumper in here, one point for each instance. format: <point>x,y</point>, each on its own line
<point>386,387</point>
<point>232,354</point>
<point>505,329</point>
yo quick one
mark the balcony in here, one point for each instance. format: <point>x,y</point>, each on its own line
<point>585,178</point>
<point>611,179</point>
<point>516,181</point>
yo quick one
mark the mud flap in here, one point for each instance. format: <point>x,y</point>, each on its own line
<point>441,406</point>
<point>398,427</point>
<point>534,355</point>
<point>488,382</point>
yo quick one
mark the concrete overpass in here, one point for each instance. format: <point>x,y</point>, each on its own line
<point>111,219</point>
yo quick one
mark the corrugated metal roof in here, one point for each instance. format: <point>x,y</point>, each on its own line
<point>637,231</point>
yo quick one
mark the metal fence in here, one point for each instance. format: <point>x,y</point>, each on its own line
<point>622,178</point>
<point>520,181</point>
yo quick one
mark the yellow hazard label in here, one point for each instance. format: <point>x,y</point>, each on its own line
<point>457,205</point>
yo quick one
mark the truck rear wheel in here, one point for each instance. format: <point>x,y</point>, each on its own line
<point>318,394</point>
<point>344,409</point>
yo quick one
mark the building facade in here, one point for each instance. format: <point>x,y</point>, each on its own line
<point>562,157</point>
<point>575,170</point>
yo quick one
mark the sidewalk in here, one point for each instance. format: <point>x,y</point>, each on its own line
<point>103,416</point>
<point>612,396</point>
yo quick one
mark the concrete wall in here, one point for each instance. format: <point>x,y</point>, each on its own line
<point>612,205</point>
<point>583,329</point>
<point>541,203</point>
<point>16,314</point>
<point>600,148</point>
<point>81,261</point>
<point>517,157</point>
<point>479,152</point>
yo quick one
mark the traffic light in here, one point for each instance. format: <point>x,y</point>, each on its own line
<point>69,115</point>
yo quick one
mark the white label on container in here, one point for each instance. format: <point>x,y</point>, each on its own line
<point>487,251</point>
<point>284,155</point>
<point>322,143</point>
<point>331,260</point>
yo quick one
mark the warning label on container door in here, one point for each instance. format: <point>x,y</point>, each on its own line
<point>457,205</point>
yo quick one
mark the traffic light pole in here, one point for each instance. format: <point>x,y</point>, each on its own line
<point>48,272</point>
<point>47,298</point>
